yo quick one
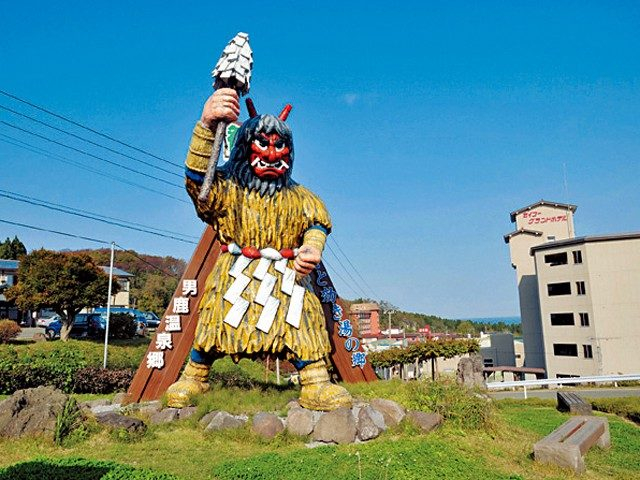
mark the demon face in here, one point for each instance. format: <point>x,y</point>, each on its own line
<point>269,156</point>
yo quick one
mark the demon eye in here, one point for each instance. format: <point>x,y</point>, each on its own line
<point>261,144</point>
<point>279,146</point>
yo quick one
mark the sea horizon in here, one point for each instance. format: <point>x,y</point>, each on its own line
<point>508,320</point>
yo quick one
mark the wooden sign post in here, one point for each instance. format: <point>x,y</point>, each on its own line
<point>173,339</point>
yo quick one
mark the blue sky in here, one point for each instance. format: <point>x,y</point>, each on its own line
<point>421,125</point>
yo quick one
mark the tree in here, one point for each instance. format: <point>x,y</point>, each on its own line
<point>12,249</point>
<point>156,292</point>
<point>64,283</point>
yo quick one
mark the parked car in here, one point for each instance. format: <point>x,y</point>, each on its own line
<point>153,321</point>
<point>45,320</point>
<point>85,325</point>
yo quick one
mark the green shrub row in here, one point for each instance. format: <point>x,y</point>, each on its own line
<point>423,351</point>
<point>628,407</point>
<point>78,469</point>
<point>73,366</point>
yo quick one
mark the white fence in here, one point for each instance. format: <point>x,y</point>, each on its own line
<point>561,381</point>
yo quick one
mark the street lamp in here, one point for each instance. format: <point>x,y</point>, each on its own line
<point>389,312</point>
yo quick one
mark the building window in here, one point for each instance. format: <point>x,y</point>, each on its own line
<point>581,289</point>
<point>577,256</point>
<point>554,259</point>
<point>559,319</point>
<point>565,349</point>
<point>555,289</point>
<point>584,319</point>
<point>588,351</point>
<point>551,238</point>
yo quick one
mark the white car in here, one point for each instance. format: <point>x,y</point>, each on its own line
<point>45,321</point>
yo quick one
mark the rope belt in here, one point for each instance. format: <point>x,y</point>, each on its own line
<point>253,252</point>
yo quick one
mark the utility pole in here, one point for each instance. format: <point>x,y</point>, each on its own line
<point>389,313</point>
<point>106,331</point>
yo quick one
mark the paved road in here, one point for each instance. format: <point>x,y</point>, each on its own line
<point>585,392</point>
<point>27,333</point>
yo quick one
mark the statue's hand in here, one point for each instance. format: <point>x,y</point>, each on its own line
<point>307,259</point>
<point>223,105</point>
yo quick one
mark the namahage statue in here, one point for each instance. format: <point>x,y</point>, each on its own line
<point>258,299</point>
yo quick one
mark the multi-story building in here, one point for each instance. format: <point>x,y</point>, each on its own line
<point>366,318</point>
<point>589,290</point>
<point>535,224</point>
<point>579,297</point>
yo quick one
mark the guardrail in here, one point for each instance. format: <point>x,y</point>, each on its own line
<point>561,381</point>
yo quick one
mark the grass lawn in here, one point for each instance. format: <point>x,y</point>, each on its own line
<point>500,450</point>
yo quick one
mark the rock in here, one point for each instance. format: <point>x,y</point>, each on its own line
<point>167,415</point>
<point>370,423</point>
<point>470,370</point>
<point>225,421</point>
<point>425,421</point>
<point>187,412</point>
<point>100,409</point>
<point>206,419</point>
<point>116,420</point>
<point>39,337</point>
<point>119,398</point>
<point>337,426</point>
<point>32,411</point>
<point>300,421</point>
<point>150,408</point>
<point>391,411</point>
<point>100,402</point>
<point>267,425</point>
<point>293,404</point>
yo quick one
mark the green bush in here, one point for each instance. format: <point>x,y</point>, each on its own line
<point>78,469</point>
<point>122,326</point>
<point>628,407</point>
<point>59,363</point>
<point>8,330</point>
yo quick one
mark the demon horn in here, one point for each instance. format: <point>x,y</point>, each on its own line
<point>251,108</point>
<point>285,112</point>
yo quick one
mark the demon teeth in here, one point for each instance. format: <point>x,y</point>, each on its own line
<point>280,165</point>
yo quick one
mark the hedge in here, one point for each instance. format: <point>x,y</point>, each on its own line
<point>423,351</point>
<point>8,330</point>
<point>73,366</point>
<point>78,469</point>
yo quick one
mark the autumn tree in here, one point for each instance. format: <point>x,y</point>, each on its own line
<point>64,283</point>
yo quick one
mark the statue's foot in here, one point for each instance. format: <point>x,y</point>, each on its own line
<point>318,393</point>
<point>193,382</point>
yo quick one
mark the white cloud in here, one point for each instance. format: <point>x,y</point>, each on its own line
<point>350,98</point>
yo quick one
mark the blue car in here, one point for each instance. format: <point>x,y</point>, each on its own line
<point>85,325</point>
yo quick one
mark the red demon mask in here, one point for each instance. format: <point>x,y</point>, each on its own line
<point>269,156</point>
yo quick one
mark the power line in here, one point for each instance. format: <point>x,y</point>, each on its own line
<point>90,239</point>
<point>90,154</point>
<point>66,119</point>
<point>345,269</point>
<point>91,216</point>
<point>353,266</point>
<point>145,261</point>
<point>324,260</point>
<point>32,148</point>
<point>66,234</point>
<point>91,142</point>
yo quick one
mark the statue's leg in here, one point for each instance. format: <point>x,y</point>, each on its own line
<point>318,393</point>
<point>193,381</point>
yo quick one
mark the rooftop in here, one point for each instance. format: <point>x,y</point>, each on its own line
<point>360,307</point>
<point>117,272</point>
<point>508,236</point>
<point>566,206</point>
<point>9,264</point>
<point>589,239</point>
